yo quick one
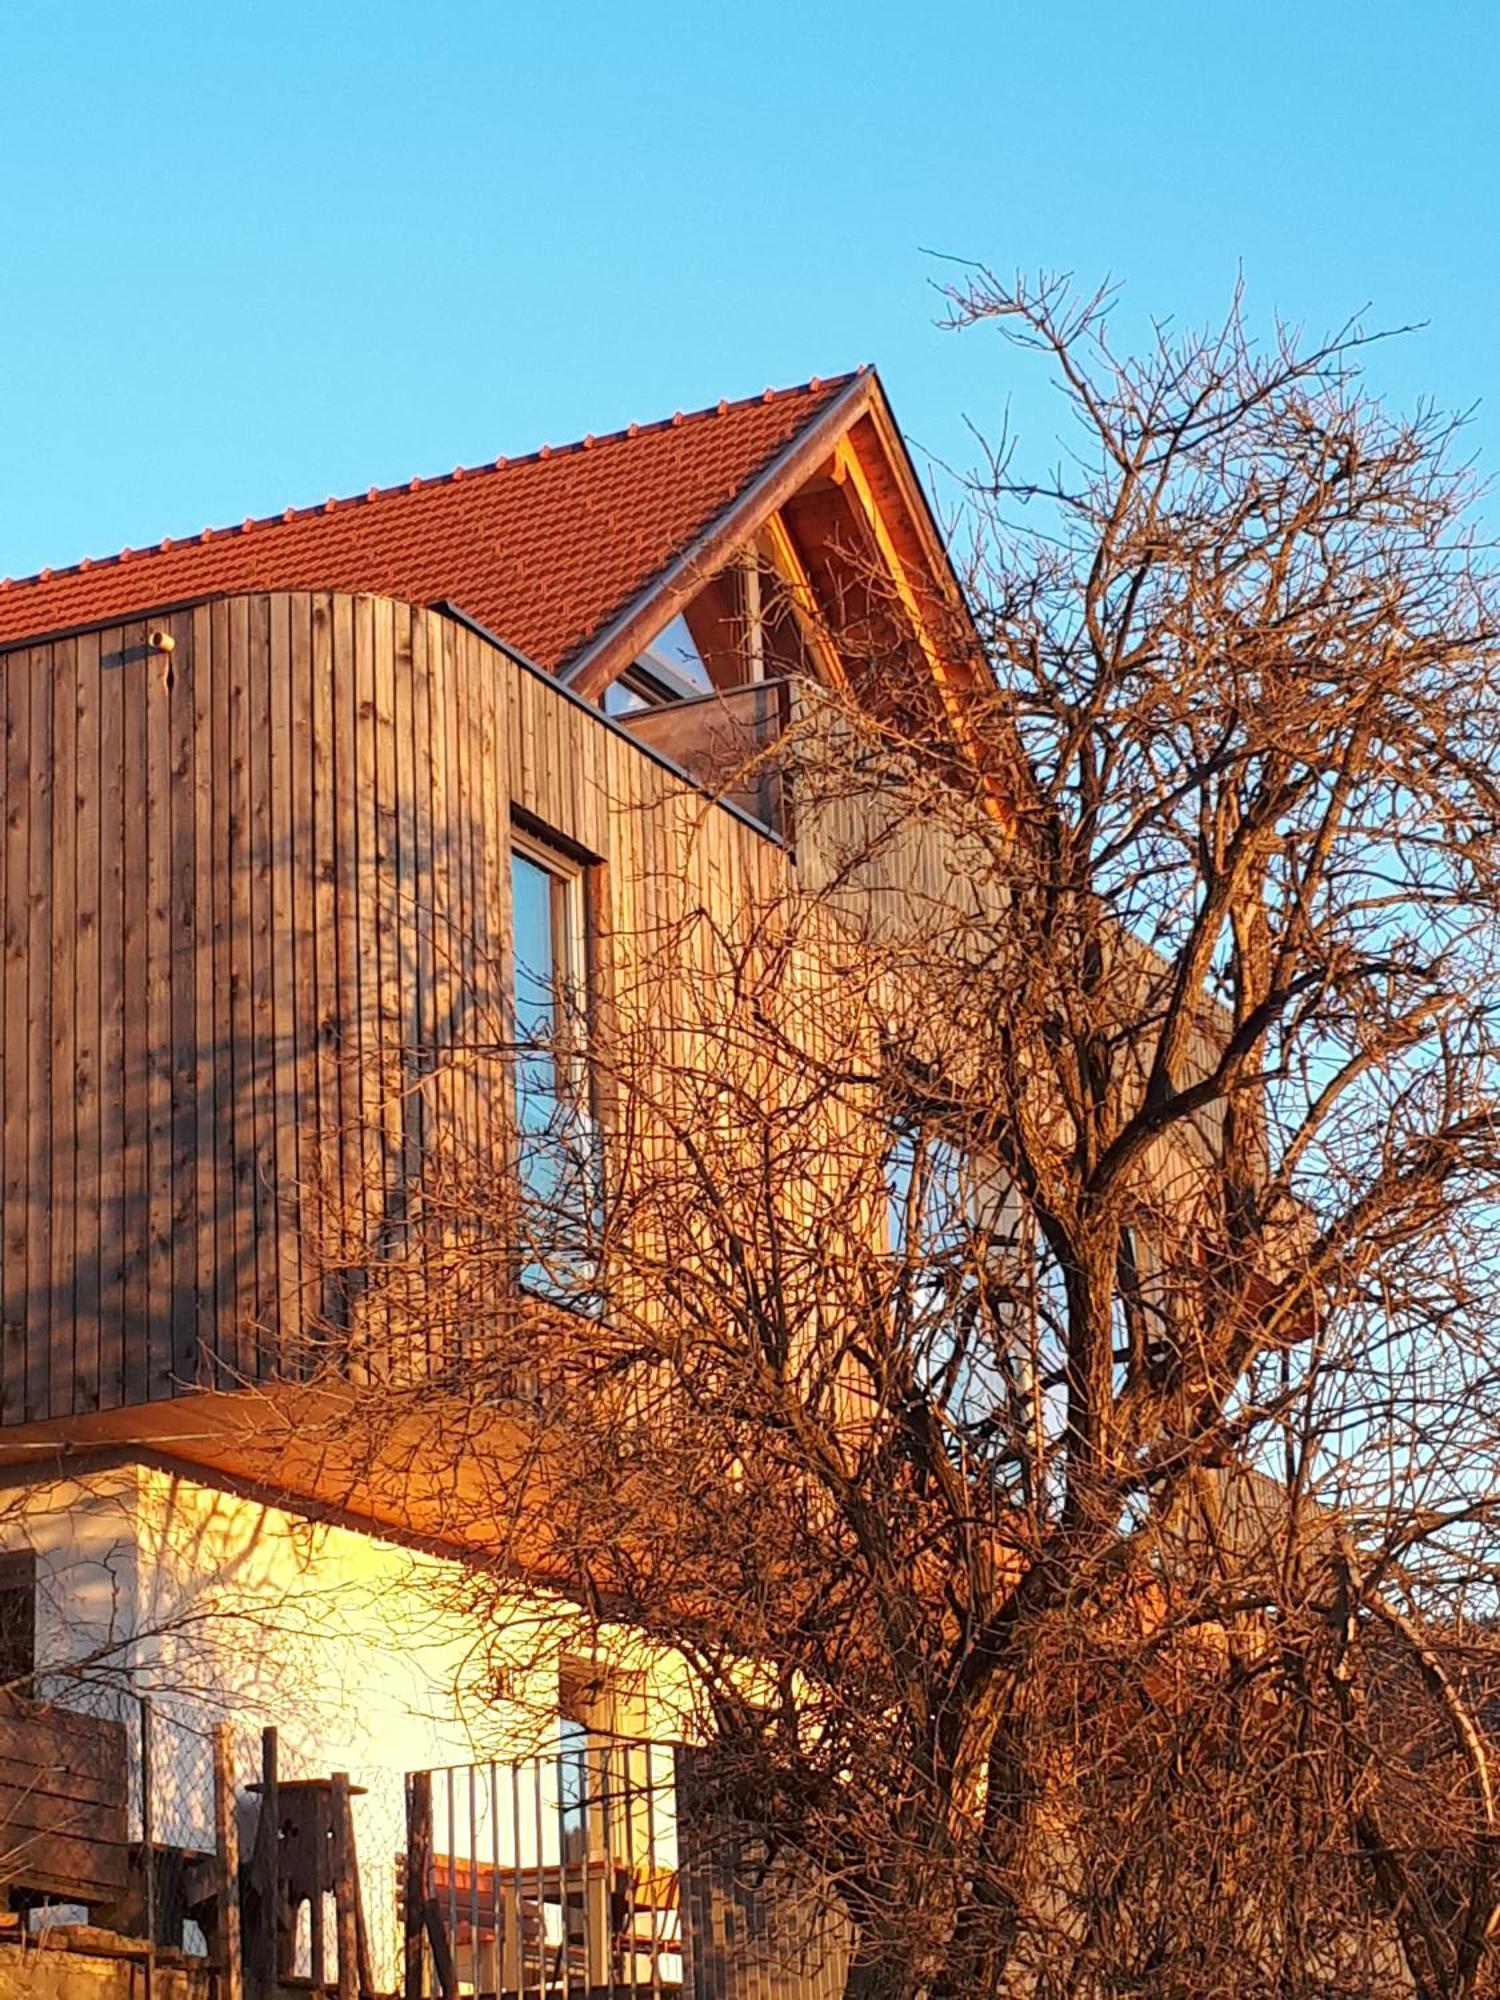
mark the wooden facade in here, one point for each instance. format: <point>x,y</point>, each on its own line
<point>255,936</point>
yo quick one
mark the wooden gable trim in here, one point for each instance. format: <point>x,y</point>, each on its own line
<point>613,649</point>
<point>849,473</point>
<point>917,507</point>
<point>827,443</point>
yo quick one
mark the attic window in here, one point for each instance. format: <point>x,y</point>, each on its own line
<point>738,630</point>
<point>673,658</point>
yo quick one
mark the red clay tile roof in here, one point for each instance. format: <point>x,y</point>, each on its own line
<point>542,550</point>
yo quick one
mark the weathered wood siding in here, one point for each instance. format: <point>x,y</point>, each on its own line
<point>63,1802</point>
<point>254,923</point>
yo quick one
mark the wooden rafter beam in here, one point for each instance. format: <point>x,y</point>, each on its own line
<point>804,603</point>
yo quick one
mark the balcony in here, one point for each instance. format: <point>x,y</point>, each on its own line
<point>723,742</point>
<point>592,1870</point>
<point>556,1874</point>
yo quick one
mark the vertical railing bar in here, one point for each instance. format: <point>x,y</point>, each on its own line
<point>498,1908</point>
<point>570,1781</point>
<point>628,1816</point>
<point>474,1877</point>
<point>148,1847</point>
<point>515,1814</point>
<point>541,1879</point>
<point>452,1866</point>
<point>687,1914</point>
<point>607,1858</point>
<point>562,1885</point>
<point>596,1797</point>
<point>652,1876</point>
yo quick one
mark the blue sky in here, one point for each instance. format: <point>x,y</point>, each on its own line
<point>253,255</point>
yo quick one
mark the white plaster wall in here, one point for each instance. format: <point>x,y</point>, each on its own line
<point>360,1652</point>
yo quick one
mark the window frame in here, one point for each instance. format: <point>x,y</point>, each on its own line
<point>572,977</point>
<point>568,1050</point>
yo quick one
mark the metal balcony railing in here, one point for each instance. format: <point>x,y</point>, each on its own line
<point>556,1874</point>
<point>603,1870</point>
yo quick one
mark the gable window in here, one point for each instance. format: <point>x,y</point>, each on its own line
<point>674,661</point>
<point>741,628</point>
<point>555,1133</point>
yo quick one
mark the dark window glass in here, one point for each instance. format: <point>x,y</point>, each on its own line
<point>17,1616</point>
<point>558,1145</point>
<point>534,905</point>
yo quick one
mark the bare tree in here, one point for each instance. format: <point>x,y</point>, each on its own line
<point>1028,1349</point>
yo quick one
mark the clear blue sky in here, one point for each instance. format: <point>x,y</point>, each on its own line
<point>252,254</point>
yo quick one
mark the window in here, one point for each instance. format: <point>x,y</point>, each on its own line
<point>952,1226</point>
<point>556,1139</point>
<point>616,1789</point>
<point>584,1712</point>
<point>17,1617</point>
<point>740,628</point>
<point>674,660</point>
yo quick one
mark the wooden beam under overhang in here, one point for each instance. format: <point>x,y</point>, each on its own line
<point>805,604</point>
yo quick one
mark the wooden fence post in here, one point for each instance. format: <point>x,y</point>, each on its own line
<point>227,1841</point>
<point>262,1916</point>
<point>343,1890</point>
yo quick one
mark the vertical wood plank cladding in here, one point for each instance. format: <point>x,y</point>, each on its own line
<point>363,987</point>
<point>322,1021</point>
<point>385,1019</point>
<point>427,665</point>
<point>281,1306</point>
<point>112,848</point>
<point>406,926</point>
<point>489,1080</point>
<point>466,1109</point>
<point>491,901</point>
<point>345,1206</point>
<point>238,1196</point>
<point>11,1331</point>
<point>254,941</point>
<point>89,1242</point>
<point>407,1165</point>
<point>38,1073</point>
<point>207,1048</point>
<point>300,1048</point>
<point>176,691</point>
<point>259,1355</point>
<point>56,1390</point>
<point>151,672</point>
<point>13,1129</point>
<point>422,643</point>
<point>223,804</point>
<point>447,948</point>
